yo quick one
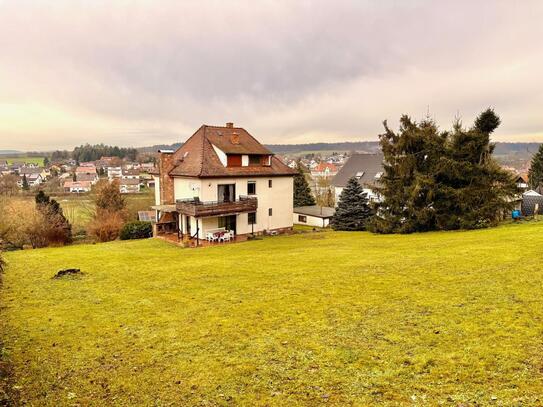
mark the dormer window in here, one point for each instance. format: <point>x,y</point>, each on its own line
<point>254,160</point>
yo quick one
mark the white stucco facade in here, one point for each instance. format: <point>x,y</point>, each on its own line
<point>273,193</point>
<point>302,219</point>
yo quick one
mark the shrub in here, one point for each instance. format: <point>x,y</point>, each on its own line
<point>136,230</point>
<point>106,225</point>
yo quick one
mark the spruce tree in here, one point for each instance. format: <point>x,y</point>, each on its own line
<point>441,180</point>
<point>26,185</point>
<point>535,175</point>
<point>302,192</point>
<point>482,189</point>
<point>407,184</point>
<point>353,211</point>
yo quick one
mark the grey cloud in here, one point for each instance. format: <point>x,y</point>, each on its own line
<point>308,70</point>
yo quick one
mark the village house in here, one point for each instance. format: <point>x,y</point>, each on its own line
<point>324,169</point>
<point>114,173</point>
<point>129,186</point>
<point>83,177</point>
<point>131,173</point>
<point>86,169</point>
<point>366,168</point>
<point>77,187</point>
<point>522,182</point>
<point>220,184</point>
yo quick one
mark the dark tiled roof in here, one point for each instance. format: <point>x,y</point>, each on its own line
<point>197,157</point>
<point>367,164</point>
<point>317,211</point>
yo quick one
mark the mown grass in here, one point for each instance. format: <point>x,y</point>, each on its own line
<point>336,318</point>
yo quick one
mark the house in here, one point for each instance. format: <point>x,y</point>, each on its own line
<point>129,186</point>
<point>367,168</point>
<point>522,182</point>
<point>222,178</point>
<point>114,172</point>
<point>87,169</point>
<point>83,177</point>
<point>324,169</point>
<point>131,174</point>
<point>318,216</point>
<point>33,172</point>
<point>77,187</point>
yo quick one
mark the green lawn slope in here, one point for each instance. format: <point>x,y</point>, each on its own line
<point>336,318</point>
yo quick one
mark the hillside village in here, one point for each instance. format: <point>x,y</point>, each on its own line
<point>239,205</point>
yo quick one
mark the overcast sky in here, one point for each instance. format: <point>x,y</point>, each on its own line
<point>149,72</point>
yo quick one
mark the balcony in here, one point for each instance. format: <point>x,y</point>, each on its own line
<point>199,209</point>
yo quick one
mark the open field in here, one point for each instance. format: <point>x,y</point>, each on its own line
<point>342,318</point>
<point>23,158</point>
<point>79,209</point>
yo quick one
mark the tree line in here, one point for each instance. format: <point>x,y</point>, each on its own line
<point>88,152</point>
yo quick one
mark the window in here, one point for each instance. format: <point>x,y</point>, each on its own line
<point>233,160</point>
<point>302,219</point>
<point>254,160</point>
<point>251,188</point>
<point>251,218</point>
<point>270,212</point>
<point>269,183</point>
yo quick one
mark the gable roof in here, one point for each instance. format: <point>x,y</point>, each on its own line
<point>324,165</point>
<point>198,158</point>
<point>366,165</point>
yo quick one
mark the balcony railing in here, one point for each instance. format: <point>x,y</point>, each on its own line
<point>199,209</point>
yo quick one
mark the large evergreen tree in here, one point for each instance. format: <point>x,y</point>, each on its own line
<point>441,180</point>
<point>535,175</point>
<point>407,184</point>
<point>353,211</point>
<point>302,192</point>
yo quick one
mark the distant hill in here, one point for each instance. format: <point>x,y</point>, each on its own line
<point>367,146</point>
<point>10,152</point>
<point>502,148</point>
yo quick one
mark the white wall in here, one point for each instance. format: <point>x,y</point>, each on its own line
<point>311,220</point>
<point>372,196</point>
<point>221,155</point>
<point>185,188</point>
<point>157,190</point>
<point>278,197</point>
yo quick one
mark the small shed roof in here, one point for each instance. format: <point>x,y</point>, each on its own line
<point>322,212</point>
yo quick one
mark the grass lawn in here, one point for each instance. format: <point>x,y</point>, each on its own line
<point>24,159</point>
<point>337,318</point>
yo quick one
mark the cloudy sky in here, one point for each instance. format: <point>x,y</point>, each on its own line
<point>148,72</point>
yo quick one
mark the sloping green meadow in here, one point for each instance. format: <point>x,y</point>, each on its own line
<point>335,318</point>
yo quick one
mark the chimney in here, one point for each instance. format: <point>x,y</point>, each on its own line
<point>234,138</point>
<point>230,125</point>
<point>165,165</point>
